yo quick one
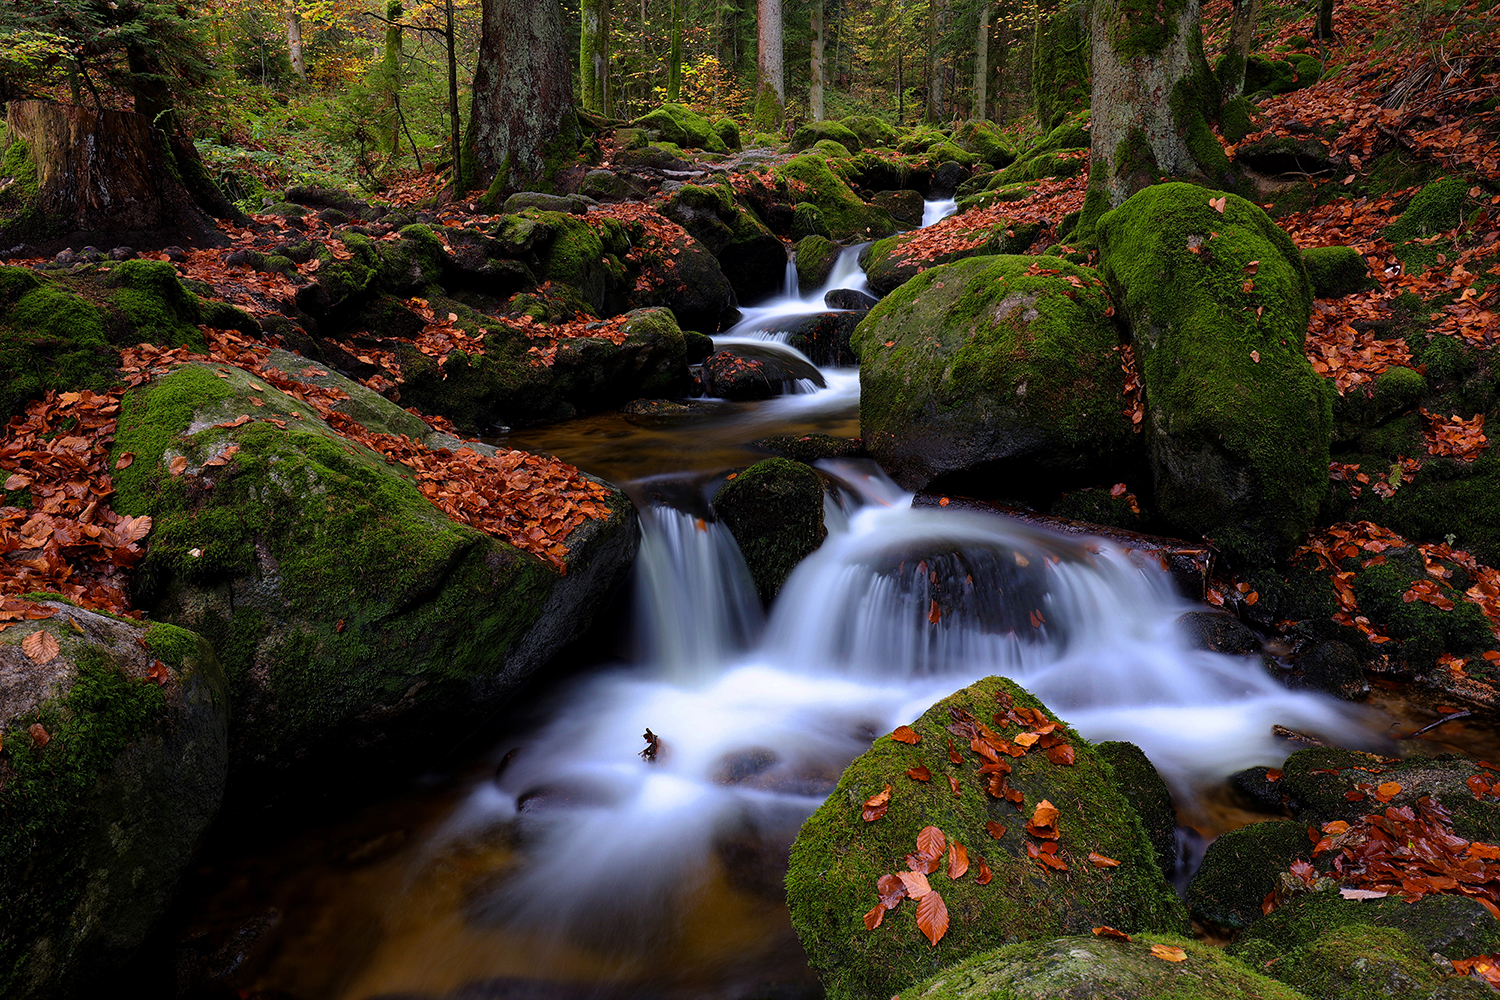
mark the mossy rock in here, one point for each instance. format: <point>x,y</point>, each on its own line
<point>1240,117</point>
<point>774,510</point>
<point>1395,391</point>
<point>335,592</point>
<point>103,817</point>
<point>1269,76</point>
<point>872,131</point>
<point>1437,208</point>
<point>1452,926</point>
<point>824,337</point>
<point>728,131</point>
<point>906,207</point>
<point>1337,271</point>
<point>921,140</point>
<point>997,194</point>
<point>832,150</point>
<point>682,126</point>
<point>1319,779</point>
<point>1241,867</point>
<point>947,152</point>
<point>807,221</point>
<point>1237,422</point>
<point>1369,963</point>
<point>886,171</point>
<point>1309,69</point>
<point>892,262</point>
<point>1037,166</point>
<point>810,448</point>
<point>1097,505</point>
<point>1143,787</point>
<point>809,178</point>
<point>342,284</point>
<point>815,259</point>
<point>753,259</point>
<point>1086,967</point>
<point>837,858</point>
<point>1073,133</point>
<point>413,262</point>
<point>814,132</point>
<point>983,139</point>
<point>984,361</point>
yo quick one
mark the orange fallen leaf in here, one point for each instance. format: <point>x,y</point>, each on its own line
<point>17,482</point>
<point>931,842</point>
<point>158,673</point>
<point>1168,953</point>
<point>932,917</point>
<point>984,876</point>
<point>876,805</point>
<point>958,860</point>
<point>906,734</point>
<point>1387,791</point>
<point>40,646</point>
<point>994,829</point>
<point>39,734</point>
<point>1111,932</point>
<point>919,773</point>
<point>915,883</point>
<point>875,916</point>
<point>124,461</point>
<point>178,465</point>
<point>953,786</point>
<point>1100,861</point>
<point>1062,754</point>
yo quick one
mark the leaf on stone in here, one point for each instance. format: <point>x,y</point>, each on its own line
<point>1218,203</point>
<point>39,734</point>
<point>931,842</point>
<point>934,614</point>
<point>876,805</point>
<point>994,829</point>
<point>178,465</point>
<point>1387,791</point>
<point>158,673</point>
<point>919,773</point>
<point>1062,754</point>
<point>915,883</point>
<point>953,785</point>
<point>1100,861</point>
<point>1111,932</point>
<point>953,755</point>
<point>906,734</point>
<point>40,646</point>
<point>1168,953</point>
<point>932,917</point>
<point>125,460</point>
<point>958,860</point>
<point>984,876</point>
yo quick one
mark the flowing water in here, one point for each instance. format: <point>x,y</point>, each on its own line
<point>569,865</point>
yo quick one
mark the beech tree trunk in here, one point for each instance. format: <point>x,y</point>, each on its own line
<point>107,177</point>
<point>937,11</point>
<point>593,57</point>
<point>1242,25</point>
<point>1153,100</point>
<point>674,55</point>
<point>982,62</point>
<point>294,40</point>
<point>815,69</point>
<point>771,78</point>
<point>1325,20</point>
<point>523,126</point>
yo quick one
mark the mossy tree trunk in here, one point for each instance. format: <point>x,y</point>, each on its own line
<point>1060,64</point>
<point>771,76</point>
<point>1325,20</point>
<point>674,55</point>
<point>1153,100</point>
<point>815,67</point>
<point>524,127</point>
<point>593,57</point>
<point>982,62</point>
<point>390,69</point>
<point>1242,25</point>
<point>937,18</point>
<point>294,40</point>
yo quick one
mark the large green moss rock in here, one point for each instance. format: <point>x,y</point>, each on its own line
<point>1237,421</point>
<point>895,260</point>
<point>355,620</point>
<point>682,126</point>
<point>838,857</point>
<point>983,139</point>
<point>815,257</point>
<point>1369,963</point>
<point>814,132</point>
<point>774,510</point>
<point>753,259</point>
<point>1241,867</point>
<point>1085,967</point>
<point>104,809</point>
<point>1451,926</point>
<point>1336,271</point>
<point>1145,789</point>
<point>872,131</point>
<point>990,360</point>
<point>808,178</point>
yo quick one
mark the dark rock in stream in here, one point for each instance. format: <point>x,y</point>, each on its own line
<point>1217,632</point>
<point>824,338</point>
<point>849,298</point>
<point>809,448</point>
<point>774,509</point>
<point>747,372</point>
<point>1332,666</point>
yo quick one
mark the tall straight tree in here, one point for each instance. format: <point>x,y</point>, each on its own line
<point>982,62</point>
<point>294,40</point>
<point>1242,25</point>
<point>937,26</point>
<point>523,126</point>
<point>593,56</point>
<point>674,54</point>
<point>815,70</point>
<point>771,86</point>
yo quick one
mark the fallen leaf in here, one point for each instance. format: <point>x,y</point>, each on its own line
<point>1255,356</point>
<point>906,734</point>
<point>1218,203</point>
<point>958,860</point>
<point>953,785</point>
<point>178,465</point>
<point>994,829</point>
<point>1168,953</point>
<point>1062,754</point>
<point>915,883</point>
<point>1043,821</point>
<point>876,805</point>
<point>40,646</point>
<point>891,890</point>
<point>932,917</point>
<point>1111,932</point>
<point>1100,861</point>
<point>875,916</point>
<point>953,755</point>
<point>1387,791</point>
<point>931,842</point>
<point>919,773</point>
<point>39,734</point>
<point>17,482</point>
<point>158,673</point>
<point>124,461</point>
<point>1025,739</point>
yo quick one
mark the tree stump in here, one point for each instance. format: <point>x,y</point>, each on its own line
<point>74,174</point>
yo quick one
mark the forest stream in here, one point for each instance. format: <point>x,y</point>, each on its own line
<point>564,862</point>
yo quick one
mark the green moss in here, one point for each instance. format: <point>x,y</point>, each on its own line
<point>50,338</point>
<point>412,263</point>
<point>831,149</point>
<point>807,221</point>
<point>891,262</point>
<point>1239,424</point>
<point>1060,64</point>
<point>984,140</point>
<point>1269,76</point>
<point>1143,787</point>
<point>1086,966</point>
<point>1238,118</point>
<point>1195,106</point>
<point>808,178</point>
<point>1425,631</point>
<point>1369,963</point>
<point>814,132</point>
<point>21,216</point>
<point>1309,69</point>
<point>153,304</point>
<point>872,131</point>
<point>1437,208</point>
<point>1144,27</point>
<point>1453,926</point>
<point>1056,163</point>
<point>682,126</point>
<point>815,258</point>
<point>768,113</point>
<point>1241,867</point>
<point>774,509</point>
<point>837,857</point>
<point>1336,271</point>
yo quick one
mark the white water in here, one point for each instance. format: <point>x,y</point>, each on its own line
<point>768,320</point>
<point>937,211</point>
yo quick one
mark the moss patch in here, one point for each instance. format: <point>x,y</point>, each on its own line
<point>774,509</point>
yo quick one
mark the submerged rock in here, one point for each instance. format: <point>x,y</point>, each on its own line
<point>774,510</point>
<point>114,755</point>
<point>839,856</point>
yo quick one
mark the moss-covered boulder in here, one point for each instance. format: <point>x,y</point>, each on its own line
<point>807,221</point>
<point>1143,787</point>
<point>112,762</point>
<point>343,282</point>
<point>774,510</point>
<point>1238,423</point>
<point>1239,118</point>
<point>838,857</point>
<point>1369,963</point>
<point>1036,166</point>
<point>872,131</point>
<point>815,257</point>
<point>681,126</point>
<point>565,249</point>
<point>1242,867</point>
<point>808,178</point>
<point>413,261</point>
<point>983,139</point>
<point>1264,75</point>
<point>1451,926</point>
<point>752,258</point>
<point>905,206</point>
<point>814,132</point>
<point>993,360</point>
<point>1336,271</point>
<point>1086,967</point>
<point>355,620</point>
<point>1437,208</point>
<point>895,260</point>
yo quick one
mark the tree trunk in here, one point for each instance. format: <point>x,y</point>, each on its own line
<point>593,57</point>
<point>771,79</point>
<point>815,69</point>
<point>107,176</point>
<point>936,27</point>
<point>461,178</point>
<point>674,55</point>
<point>1060,63</point>
<point>1325,20</point>
<point>524,130</point>
<point>294,40</point>
<point>1153,99</point>
<point>390,69</point>
<point>1242,25</point>
<point>982,62</point>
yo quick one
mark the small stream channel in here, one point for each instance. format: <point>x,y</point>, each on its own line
<point>560,864</point>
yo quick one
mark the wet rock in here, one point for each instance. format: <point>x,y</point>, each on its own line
<point>815,258</point>
<point>1287,154</point>
<point>754,260</point>
<point>947,178</point>
<point>838,857</point>
<point>906,207</point>
<point>1256,785</point>
<point>1453,926</point>
<point>574,204</point>
<point>890,263</point>
<point>1364,961</point>
<point>824,337</point>
<point>746,372</point>
<point>849,298</point>
<point>807,221</point>
<point>774,509</point>
<point>334,198</point>
<point>1143,787</point>
<point>1332,666</point>
<point>810,448</point>
<point>606,186</point>
<point>1241,867</point>
<point>122,253</point>
<point>1217,632</point>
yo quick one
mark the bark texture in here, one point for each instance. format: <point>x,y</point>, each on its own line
<point>982,63</point>
<point>768,56</point>
<point>593,57</point>
<point>815,69</point>
<point>106,176</point>
<point>523,125</point>
<point>1242,25</point>
<point>294,41</point>
<point>1060,64</point>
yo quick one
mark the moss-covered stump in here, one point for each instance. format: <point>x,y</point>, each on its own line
<point>774,509</point>
<point>1238,423</point>
<point>681,126</point>
<point>748,372</point>
<point>838,857</point>
<point>809,178</point>
<point>112,767</point>
<point>1086,967</point>
<point>1241,867</point>
<point>1336,271</point>
<point>355,620</point>
<point>1451,926</point>
<point>892,262</point>
<point>1368,963</point>
<point>990,360</point>
<point>753,258</point>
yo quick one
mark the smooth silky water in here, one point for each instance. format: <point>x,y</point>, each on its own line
<point>568,865</point>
